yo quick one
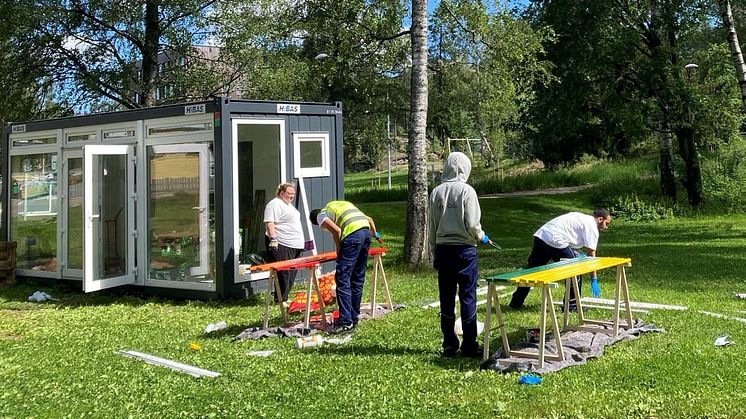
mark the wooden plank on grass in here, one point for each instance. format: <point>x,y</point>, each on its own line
<point>634,304</point>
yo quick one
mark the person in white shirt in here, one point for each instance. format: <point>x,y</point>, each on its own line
<point>562,238</point>
<point>284,237</point>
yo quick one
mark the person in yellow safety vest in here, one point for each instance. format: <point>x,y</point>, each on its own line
<point>351,230</point>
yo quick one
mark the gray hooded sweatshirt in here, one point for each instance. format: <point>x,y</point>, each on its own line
<point>454,208</point>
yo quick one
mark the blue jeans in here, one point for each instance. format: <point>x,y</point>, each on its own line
<point>541,254</point>
<point>457,270</point>
<point>352,259</point>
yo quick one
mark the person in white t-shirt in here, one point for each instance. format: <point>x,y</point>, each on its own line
<point>562,238</point>
<point>284,239</point>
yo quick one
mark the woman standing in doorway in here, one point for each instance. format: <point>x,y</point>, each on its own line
<point>284,238</point>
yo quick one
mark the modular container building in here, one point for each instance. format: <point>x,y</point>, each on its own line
<point>170,199</point>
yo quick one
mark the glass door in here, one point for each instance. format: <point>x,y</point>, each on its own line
<point>108,216</point>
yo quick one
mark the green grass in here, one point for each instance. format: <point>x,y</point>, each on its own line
<point>57,359</point>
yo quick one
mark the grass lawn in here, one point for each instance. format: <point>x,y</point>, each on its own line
<point>57,358</point>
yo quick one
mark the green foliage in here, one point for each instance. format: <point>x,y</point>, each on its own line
<point>89,49</point>
<point>633,208</point>
<point>724,177</point>
<point>486,68</point>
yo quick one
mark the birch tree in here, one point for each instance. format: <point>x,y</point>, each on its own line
<point>416,251</point>
<point>735,48</point>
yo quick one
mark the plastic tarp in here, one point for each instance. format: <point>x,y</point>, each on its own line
<point>578,346</point>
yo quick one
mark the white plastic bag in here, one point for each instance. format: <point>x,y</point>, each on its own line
<point>458,328</point>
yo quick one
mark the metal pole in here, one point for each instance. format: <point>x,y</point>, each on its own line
<point>388,138</point>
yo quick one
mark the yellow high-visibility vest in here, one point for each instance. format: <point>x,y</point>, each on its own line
<point>346,216</point>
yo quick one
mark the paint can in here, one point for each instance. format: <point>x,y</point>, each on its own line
<point>309,341</point>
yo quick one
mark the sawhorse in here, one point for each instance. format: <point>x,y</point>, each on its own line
<point>377,254</point>
<point>544,278</point>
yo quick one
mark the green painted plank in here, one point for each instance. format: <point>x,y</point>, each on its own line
<point>504,277</point>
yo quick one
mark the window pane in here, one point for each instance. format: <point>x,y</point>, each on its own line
<point>33,210</point>
<point>311,154</point>
<point>75,213</point>
<point>34,141</point>
<point>177,234</point>
<point>111,186</point>
<point>156,131</point>
<point>81,137</point>
<point>108,135</point>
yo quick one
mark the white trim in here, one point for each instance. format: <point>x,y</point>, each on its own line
<point>324,169</point>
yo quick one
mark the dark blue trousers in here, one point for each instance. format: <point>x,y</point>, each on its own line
<point>541,254</point>
<point>457,271</point>
<point>352,259</point>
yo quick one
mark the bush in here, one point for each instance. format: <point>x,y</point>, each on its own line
<point>377,194</point>
<point>634,208</point>
<point>724,179</point>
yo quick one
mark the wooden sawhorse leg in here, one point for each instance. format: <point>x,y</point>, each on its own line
<point>622,291</point>
<point>494,300</point>
<point>378,265</point>
<point>313,282</point>
<point>273,283</point>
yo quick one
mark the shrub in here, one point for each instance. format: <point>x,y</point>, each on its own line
<point>634,208</point>
<point>724,179</point>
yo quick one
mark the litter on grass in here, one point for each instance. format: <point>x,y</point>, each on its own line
<point>530,379</point>
<point>458,328</point>
<point>339,341</point>
<point>741,295</point>
<point>195,346</point>
<point>167,363</point>
<point>214,327</point>
<point>723,341</point>
<point>255,333</point>
<point>261,353</point>
<point>40,296</point>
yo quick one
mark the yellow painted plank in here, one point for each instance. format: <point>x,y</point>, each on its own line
<point>583,266</point>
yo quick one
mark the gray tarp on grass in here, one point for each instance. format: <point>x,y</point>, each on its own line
<point>579,346</point>
<point>297,330</point>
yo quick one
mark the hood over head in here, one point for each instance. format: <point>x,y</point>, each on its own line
<point>456,168</point>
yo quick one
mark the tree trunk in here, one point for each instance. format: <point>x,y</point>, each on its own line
<point>150,54</point>
<point>668,180</point>
<point>416,251</point>
<point>735,47</point>
<point>688,152</point>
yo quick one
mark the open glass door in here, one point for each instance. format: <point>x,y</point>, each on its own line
<point>109,216</point>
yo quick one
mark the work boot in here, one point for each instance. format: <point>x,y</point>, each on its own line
<point>472,352</point>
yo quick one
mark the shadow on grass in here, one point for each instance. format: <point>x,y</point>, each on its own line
<point>68,294</point>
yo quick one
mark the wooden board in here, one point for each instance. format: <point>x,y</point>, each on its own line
<point>559,270</point>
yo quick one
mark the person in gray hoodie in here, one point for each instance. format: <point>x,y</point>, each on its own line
<point>454,230</point>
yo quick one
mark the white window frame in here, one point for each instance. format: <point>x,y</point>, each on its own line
<point>322,171</point>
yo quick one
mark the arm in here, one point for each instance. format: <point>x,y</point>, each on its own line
<point>373,232</point>
<point>595,289</point>
<point>270,229</point>
<point>591,253</point>
<point>332,228</point>
<point>372,226</point>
